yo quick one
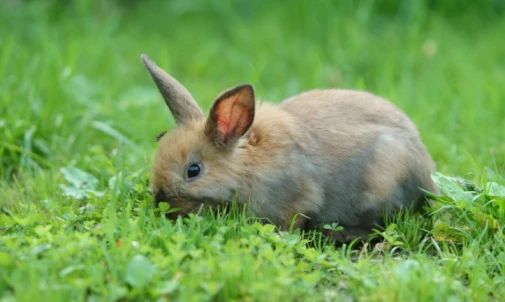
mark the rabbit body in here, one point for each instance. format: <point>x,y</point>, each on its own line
<point>319,157</point>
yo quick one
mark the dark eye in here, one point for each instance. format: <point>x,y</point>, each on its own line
<point>193,171</point>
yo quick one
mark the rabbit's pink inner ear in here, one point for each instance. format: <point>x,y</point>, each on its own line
<point>232,114</point>
<point>233,118</point>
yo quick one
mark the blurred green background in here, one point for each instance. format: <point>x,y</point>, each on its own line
<point>73,90</point>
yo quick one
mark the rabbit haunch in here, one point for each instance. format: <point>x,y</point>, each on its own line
<point>331,155</point>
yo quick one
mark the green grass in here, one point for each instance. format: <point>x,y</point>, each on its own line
<point>74,97</point>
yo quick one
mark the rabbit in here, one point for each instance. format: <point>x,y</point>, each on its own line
<point>319,157</point>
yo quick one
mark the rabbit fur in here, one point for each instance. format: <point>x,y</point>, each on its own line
<point>319,157</point>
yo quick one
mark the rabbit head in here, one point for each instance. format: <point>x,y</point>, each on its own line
<point>194,163</point>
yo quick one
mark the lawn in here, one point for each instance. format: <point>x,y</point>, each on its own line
<point>79,115</point>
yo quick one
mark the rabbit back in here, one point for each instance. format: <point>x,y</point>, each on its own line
<point>364,155</point>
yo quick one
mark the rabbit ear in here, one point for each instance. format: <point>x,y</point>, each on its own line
<point>179,100</point>
<point>231,116</point>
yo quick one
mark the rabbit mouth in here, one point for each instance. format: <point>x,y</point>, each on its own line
<point>184,204</point>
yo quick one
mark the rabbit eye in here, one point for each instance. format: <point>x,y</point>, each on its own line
<point>193,171</point>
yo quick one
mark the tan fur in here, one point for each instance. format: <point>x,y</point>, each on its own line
<point>332,155</point>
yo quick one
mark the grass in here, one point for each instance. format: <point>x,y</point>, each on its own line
<point>79,117</point>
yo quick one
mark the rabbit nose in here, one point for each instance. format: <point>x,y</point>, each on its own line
<point>183,205</point>
<point>173,215</point>
<point>161,196</point>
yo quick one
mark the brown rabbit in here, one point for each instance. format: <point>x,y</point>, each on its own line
<point>329,155</point>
